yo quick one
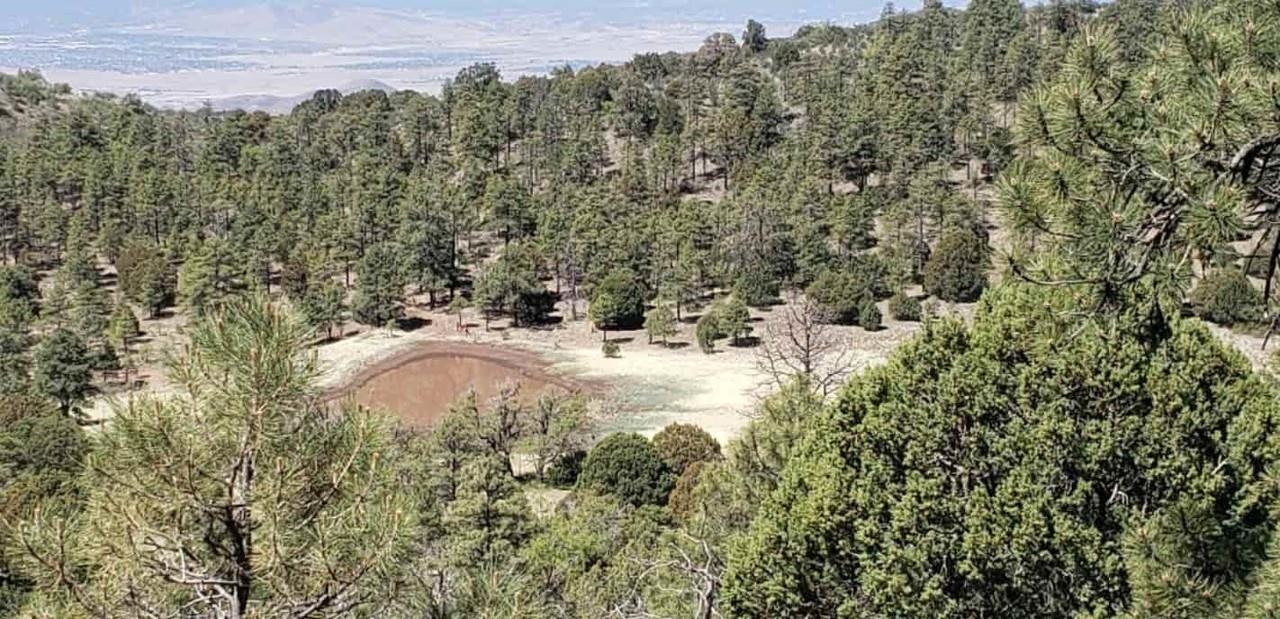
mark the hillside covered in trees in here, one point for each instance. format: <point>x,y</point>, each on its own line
<point>1100,180</point>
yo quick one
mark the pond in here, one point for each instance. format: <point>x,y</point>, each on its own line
<point>419,385</point>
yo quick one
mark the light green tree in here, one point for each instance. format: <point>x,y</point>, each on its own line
<point>239,497</point>
<point>489,519</point>
<point>660,324</point>
<point>734,319</point>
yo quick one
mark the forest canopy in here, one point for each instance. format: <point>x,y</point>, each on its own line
<point>1080,188</point>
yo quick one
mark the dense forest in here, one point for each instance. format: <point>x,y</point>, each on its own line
<point>1100,179</point>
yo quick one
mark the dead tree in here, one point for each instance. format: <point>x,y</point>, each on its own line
<point>802,344</point>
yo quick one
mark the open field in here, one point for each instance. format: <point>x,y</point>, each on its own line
<point>417,372</point>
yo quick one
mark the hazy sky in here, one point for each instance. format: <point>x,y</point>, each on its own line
<point>35,13</point>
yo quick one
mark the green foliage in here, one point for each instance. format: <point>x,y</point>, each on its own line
<point>611,349</point>
<point>564,470</point>
<point>1263,598</point>
<point>584,563</point>
<point>457,306</point>
<point>753,38</point>
<point>1031,395</point>
<point>489,519</point>
<point>123,327</point>
<point>1226,297</point>
<point>873,272</point>
<point>756,289</point>
<point>205,279</point>
<point>145,277</point>
<point>708,330</point>
<point>905,307</point>
<point>869,316</point>
<point>1102,196</point>
<point>62,369</point>
<point>841,296</point>
<point>322,306</point>
<point>1000,470</point>
<point>617,302</point>
<point>680,445</point>
<point>555,428</point>
<point>733,319</point>
<point>14,361</point>
<point>957,269</point>
<point>660,324</point>
<point>379,286</point>
<point>683,499</point>
<point>511,286</point>
<point>19,294</point>
<point>244,447</point>
<point>40,454</point>
<point>627,466</point>
<point>774,437</point>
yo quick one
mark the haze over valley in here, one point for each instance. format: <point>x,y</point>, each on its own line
<point>270,55</point>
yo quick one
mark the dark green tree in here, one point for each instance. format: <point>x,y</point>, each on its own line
<point>957,269</point>
<point>380,283</point>
<point>62,369</point>
<point>617,302</point>
<point>627,466</point>
<point>840,296</point>
<point>1032,395</point>
<point>489,520</point>
<point>660,324</point>
<point>753,38</point>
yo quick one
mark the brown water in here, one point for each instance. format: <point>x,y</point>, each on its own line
<point>419,386</point>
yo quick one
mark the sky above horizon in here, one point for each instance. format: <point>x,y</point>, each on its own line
<point>99,12</point>
<point>266,54</point>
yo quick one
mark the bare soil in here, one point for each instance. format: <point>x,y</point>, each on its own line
<point>418,385</point>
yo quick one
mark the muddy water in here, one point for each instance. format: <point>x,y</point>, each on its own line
<point>419,386</point>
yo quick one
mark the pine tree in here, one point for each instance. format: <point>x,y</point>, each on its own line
<point>379,286</point>
<point>660,324</point>
<point>323,305</point>
<point>1263,598</point>
<point>322,494</point>
<point>122,326</point>
<point>457,307</point>
<point>489,519</point>
<point>14,362</point>
<point>734,319</point>
<point>205,279</point>
<point>62,369</point>
<point>617,303</point>
<point>1128,202</point>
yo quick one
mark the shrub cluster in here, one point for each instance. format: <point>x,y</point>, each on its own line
<point>627,466</point>
<point>957,269</point>
<point>682,444</point>
<point>1226,297</point>
<point>905,307</point>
